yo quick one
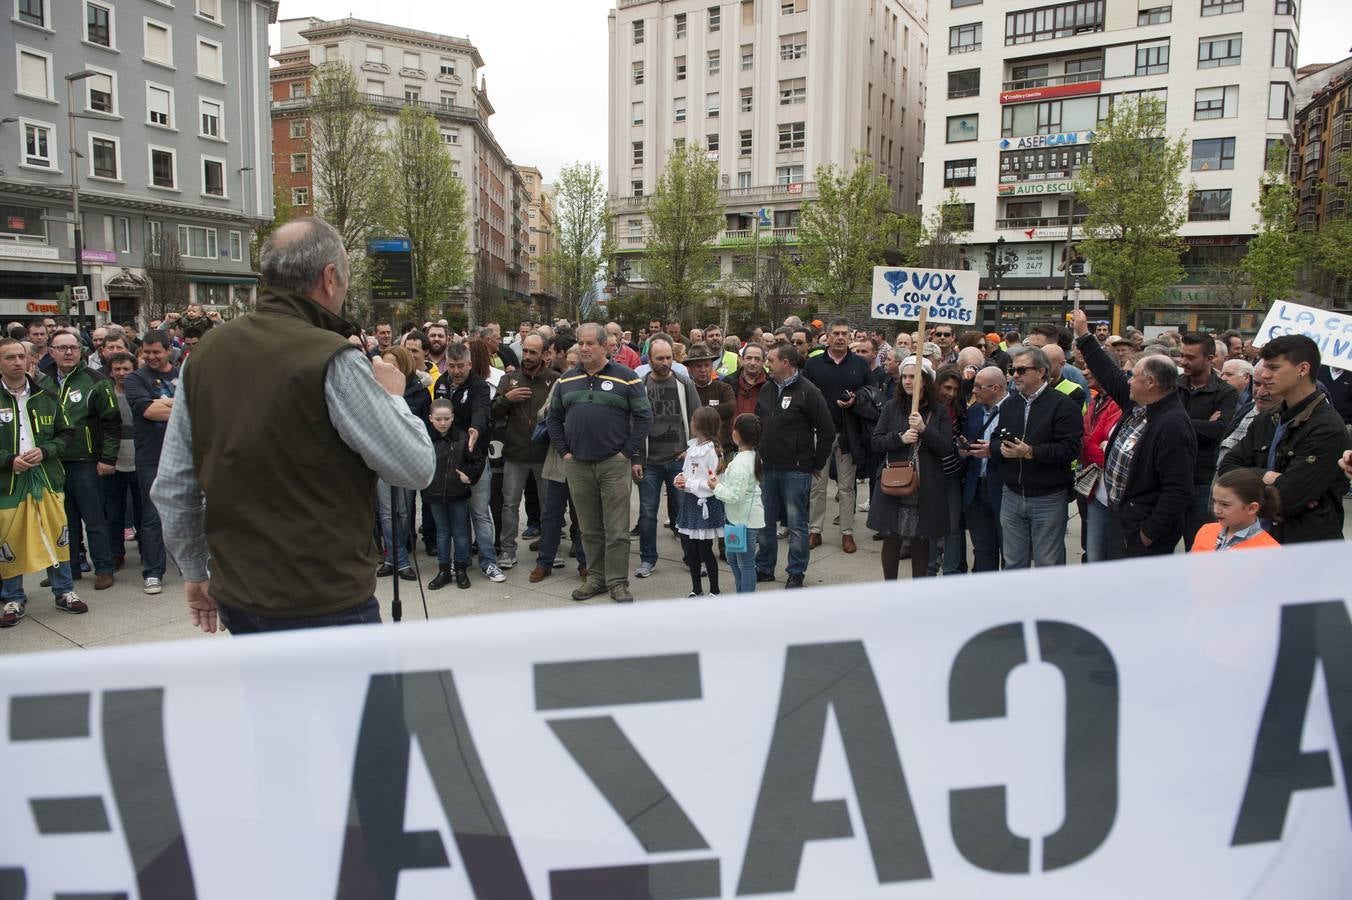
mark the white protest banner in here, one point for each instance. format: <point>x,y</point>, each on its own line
<point>946,296</point>
<point>1167,728</point>
<point>1332,331</point>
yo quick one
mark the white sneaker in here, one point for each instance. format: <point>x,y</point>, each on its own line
<point>153,586</point>
<point>782,531</point>
<point>645,569</point>
<point>494,574</point>
<point>12,614</point>
<point>506,562</point>
<point>558,562</point>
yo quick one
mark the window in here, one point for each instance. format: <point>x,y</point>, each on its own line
<point>789,175</point>
<point>375,54</point>
<point>297,90</point>
<point>748,57</point>
<point>209,59</point>
<point>960,173</point>
<point>679,106</point>
<point>678,66</point>
<point>412,60</point>
<point>156,238</point>
<point>744,144</point>
<point>300,162</point>
<point>35,73</point>
<point>789,7</point>
<point>1029,76</point>
<point>1212,154</point>
<point>1156,15</point>
<point>447,67</point>
<point>1050,22</point>
<point>966,83</point>
<point>1152,59</point>
<point>210,118</point>
<point>38,145</point>
<point>793,46</point>
<point>744,179</point>
<point>636,186</point>
<point>412,94</point>
<point>1209,206</point>
<point>1089,69</point>
<point>236,246</point>
<point>1221,7</point>
<point>301,196</point>
<point>123,234</point>
<point>636,112</point>
<point>711,142</point>
<point>297,129</point>
<point>712,105</point>
<point>715,18</point>
<point>101,93</point>
<point>163,168</point>
<point>792,91</point>
<point>209,9</point>
<point>1219,51</point>
<point>1283,50</point>
<point>104,157</point>
<point>159,45</point>
<point>713,63</point>
<point>213,177</point>
<point>160,105</point>
<point>99,24</point>
<point>1023,210</point>
<point>448,99</point>
<point>1285,8</point>
<point>638,31</point>
<point>375,86</point>
<point>964,38</point>
<point>746,100</point>
<point>792,135</point>
<point>962,128</point>
<point>637,151</point>
<point>1280,98</point>
<point>451,136</point>
<point>197,242</point>
<point>680,26</point>
<point>1216,103</point>
<point>638,72</point>
<point>33,12</point>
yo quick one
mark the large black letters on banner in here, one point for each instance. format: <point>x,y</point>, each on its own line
<point>818,677</point>
<point>976,690</point>
<point>377,848</point>
<point>1311,633</point>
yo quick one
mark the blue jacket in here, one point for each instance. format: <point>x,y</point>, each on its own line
<point>971,478</point>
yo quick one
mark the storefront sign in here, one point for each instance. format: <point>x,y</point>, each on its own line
<point>1034,188</point>
<point>30,308</point>
<point>28,251</point>
<point>99,256</point>
<point>1035,141</point>
<point>1051,92</point>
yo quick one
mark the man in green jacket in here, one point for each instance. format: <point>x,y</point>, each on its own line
<point>89,403</point>
<point>33,432</point>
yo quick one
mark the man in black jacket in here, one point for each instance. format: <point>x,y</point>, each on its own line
<point>1152,452</point>
<point>839,375</point>
<point>796,440</point>
<point>1297,446</point>
<point>1034,444</point>
<point>1210,402</point>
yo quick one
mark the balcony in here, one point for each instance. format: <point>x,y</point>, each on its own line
<point>1037,222</point>
<point>388,103</point>
<point>728,238</point>
<point>1047,80</point>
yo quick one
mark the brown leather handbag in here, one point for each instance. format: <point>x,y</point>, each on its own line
<point>901,479</point>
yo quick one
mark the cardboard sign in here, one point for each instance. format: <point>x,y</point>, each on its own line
<point>1332,331</point>
<point>947,295</point>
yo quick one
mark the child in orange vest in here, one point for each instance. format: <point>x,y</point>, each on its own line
<point>1240,500</point>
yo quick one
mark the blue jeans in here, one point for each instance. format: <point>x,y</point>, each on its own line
<point>649,495</point>
<point>62,583</point>
<point>481,514</point>
<point>452,518</point>
<point>1097,520</point>
<point>403,499</point>
<point>1033,529</point>
<point>84,504</point>
<point>1199,513</point>
<point>116,487</point>
<point>551,525</point>
<point>983,524</point>
<point>743,565</point>
<point>238,622</point>
<point>784,491</point>
<point>151,537</point>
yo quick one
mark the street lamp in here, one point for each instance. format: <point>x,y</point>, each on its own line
<point>75,183</point>
<point>996,265</point>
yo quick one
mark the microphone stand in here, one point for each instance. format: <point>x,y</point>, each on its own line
<point>396,608</point>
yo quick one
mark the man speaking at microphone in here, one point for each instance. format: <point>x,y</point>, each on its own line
<point>271,456</point>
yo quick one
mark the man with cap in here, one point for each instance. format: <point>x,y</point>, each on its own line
<point>1122,347</point>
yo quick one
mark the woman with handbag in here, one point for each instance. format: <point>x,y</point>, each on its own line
<point>911,500</point>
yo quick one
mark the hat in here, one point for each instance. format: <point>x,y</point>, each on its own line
<point>932,349</point>
<point>925,365</point>
<point>993,338</point>
<point>701,352</point>
<point>1115,339</point>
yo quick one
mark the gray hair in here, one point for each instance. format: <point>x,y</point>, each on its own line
<point>457,351</point>
<point>1162,369</point>
<point>1038,358</point>
<point>1242,366</point>
<point>600,333</point>
<point>114,331</point>
<point>294,256</point>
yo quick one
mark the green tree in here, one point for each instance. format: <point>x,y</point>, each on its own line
<point>1333,242</point>
<point>582,231</point>
<point>1135,202</point>
<point>1274,253</point>
<point>282,212</point>
<point>845,232</point>
<point>937,242</point>
<point>686,218</point>
<point>344,131</point>
<point>422,200</point>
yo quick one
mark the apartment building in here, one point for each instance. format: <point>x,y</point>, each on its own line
<point>398,67</point>
<point>1019,89</point>
<point>771,89</point>
<point>542,240</point>
<point>1323,135</point>
<point>170,124</point>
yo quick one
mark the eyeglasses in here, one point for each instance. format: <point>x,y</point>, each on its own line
<point>943,334</point>
<point>1023,370</point>
<point>65,348</point>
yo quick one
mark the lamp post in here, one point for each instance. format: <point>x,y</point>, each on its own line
<point>78,243</point>
<point>996,265</point>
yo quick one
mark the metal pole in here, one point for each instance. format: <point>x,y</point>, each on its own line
<point>75,195</point>
<point>755,271</point>
<point>396,607</point>
<point>1070,231</point>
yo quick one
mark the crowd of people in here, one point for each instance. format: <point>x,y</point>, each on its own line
<point>485,446</point>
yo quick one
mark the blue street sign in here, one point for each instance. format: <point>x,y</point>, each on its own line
<point>389,245</point>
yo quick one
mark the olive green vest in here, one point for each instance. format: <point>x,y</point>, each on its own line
<point>289,506</point>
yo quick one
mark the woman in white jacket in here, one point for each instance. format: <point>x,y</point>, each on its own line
<point>739,489</point>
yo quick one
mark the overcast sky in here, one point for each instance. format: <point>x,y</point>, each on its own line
<point>546,62</point>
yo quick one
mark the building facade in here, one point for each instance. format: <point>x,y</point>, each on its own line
<point>398,67</point>
<point>1018,90</point>
<point>1323,136</point>
<point>771,89</point>
<point>170,130</point>
<point>542,241</point>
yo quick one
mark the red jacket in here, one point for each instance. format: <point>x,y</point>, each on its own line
<point>747,394</point>
<point>626,357</point>
<point>1100,417</point>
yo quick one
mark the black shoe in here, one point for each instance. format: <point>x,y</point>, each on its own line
<point>633,532</point>
<point>764,577</point>
<point>878,535</point>
<point>462,577</point>
<point>385,570</point>
<point>443,577</point>
<point>532,531</point>
<point>406,574</point>
<point>794,581</point>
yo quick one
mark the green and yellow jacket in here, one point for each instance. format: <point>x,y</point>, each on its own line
<point>89,401</point>
<point>50,430</point>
